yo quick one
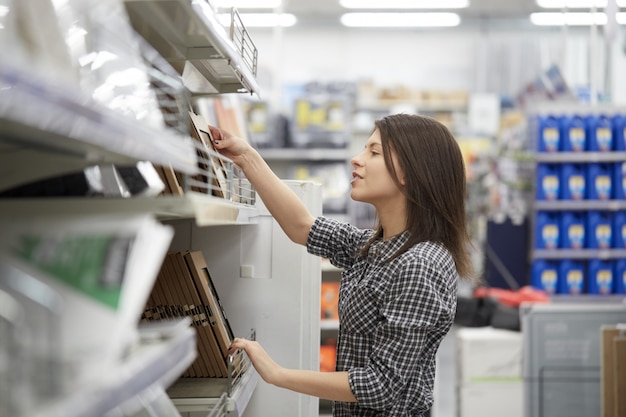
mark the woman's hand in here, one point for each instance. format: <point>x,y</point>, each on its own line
<point>262,362</point>
<point>229,145</point>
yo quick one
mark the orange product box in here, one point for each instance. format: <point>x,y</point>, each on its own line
<point>328,358</point>
<point>330,300</point>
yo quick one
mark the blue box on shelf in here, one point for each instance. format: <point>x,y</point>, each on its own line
<point>545,275</point>
<point>547,228</point>
<point>619,180</point>
<point>571,277</point>
<point>600,276</point>
<point>572,232</point>
<point>599,229</point>
<point>573,134</point>
<point>599,133</point>
<point>599,181</point>
<point>619,230</point>
<point>548,181</point>
<point>620,276</point>
<point>573,181</point>
<point>619,128</point>
<point>549,134</point>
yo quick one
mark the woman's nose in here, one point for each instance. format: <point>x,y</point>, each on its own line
<point>356,160</point>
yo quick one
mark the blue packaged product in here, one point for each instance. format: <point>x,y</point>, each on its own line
<point>599,133</point>
<point>572,233</point>
<point>619,128</point>
<point>548,181</point>
<point>547,230</point>
<point>573,134</point>
<point>571,277</point>
<point>599,181</point>
<point>573,179</point>
<point>545,275</point>
<point>620,276</point>
<point>549,134</point>
<point>599,230</point>
<point>619,230</point>
<point>600,276</point>
<point>619,180</point>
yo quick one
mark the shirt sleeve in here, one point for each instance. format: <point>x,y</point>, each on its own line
<point>417,310</point>
<point>335,240</point>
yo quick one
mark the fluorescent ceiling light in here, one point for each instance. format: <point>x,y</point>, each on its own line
<point>261,19</point>
<point>400,19</point>
<point>573,19</point>
<point>576,4</point>
<point>404,4</point>
<point>250,4</point>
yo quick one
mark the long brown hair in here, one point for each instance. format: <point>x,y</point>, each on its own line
<point>435,187</point>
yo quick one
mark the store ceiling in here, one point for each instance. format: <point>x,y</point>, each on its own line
<point>480,12</point>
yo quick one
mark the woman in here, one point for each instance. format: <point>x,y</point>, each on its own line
<point>398,290</point>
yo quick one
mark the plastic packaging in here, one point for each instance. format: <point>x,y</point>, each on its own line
<point>599,181</point>
<point>549,134</point>
<point>548,181</point>
<point>573,181</point>
<point>599,229</point>
<point>572,233</point>
<point>545,275</point>
<point>571,277</point>
<point>599,133</point>
<point>547,230</point>
<point>600,276</point>
<point>573,134</point>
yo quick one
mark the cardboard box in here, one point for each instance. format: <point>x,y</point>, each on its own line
<point>491,399</point>
<point>489,355</point>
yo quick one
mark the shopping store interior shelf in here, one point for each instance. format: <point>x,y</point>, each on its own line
<point>70,131</point>
<point>206,394</point>
<point>152,365</point>
<point>206,210</point>
<point>211,58</point>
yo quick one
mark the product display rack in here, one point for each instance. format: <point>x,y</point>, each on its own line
<point>566,124</point>
<point>47,130</point>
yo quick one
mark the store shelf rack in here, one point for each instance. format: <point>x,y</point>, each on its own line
<point>47,129</point>
<point>187,33</point>
<point>153,365</point>
<point>219,396</point>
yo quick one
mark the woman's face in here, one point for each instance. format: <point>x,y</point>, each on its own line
<point>371,181</point>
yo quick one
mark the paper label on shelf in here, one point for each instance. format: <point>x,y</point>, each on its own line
<point>91,264</point>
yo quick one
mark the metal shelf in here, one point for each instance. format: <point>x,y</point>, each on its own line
<point>578,253</point>
<point>611,205</point>
<point>188,35</point>
<point>587,157</point>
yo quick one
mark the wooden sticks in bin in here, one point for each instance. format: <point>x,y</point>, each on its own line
<point>184,288</point>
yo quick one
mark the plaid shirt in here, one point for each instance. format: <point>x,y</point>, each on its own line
<point>392,317</point>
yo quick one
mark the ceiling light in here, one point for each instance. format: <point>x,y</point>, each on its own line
<point>404,4</point>
<point>576,4</point>
<point>573,19</point>
<point>400,19</point>
<point>261,19</point>
<point>249,4</point>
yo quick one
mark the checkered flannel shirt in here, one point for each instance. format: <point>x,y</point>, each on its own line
<point>392,317</point>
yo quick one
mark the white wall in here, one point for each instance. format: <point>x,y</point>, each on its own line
<point>499,61</point>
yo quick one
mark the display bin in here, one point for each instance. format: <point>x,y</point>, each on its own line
<point>561,356</point>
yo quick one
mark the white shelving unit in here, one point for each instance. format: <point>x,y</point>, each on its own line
<point>48,130</point>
